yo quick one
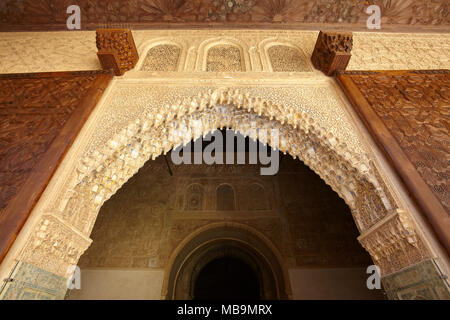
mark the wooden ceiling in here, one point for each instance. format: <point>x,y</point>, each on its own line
<point>397,15</point>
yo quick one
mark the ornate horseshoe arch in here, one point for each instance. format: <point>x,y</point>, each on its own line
<point>351,175</point>
<point>102,174</point>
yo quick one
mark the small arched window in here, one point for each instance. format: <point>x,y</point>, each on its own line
<point>224,58</point>
<point>225,198</point>
<point>286,59</point>
<point>163,57</point>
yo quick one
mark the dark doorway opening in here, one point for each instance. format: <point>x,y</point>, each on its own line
<point>227,278</point>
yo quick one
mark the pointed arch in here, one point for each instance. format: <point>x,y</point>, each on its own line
<point>106,170</point>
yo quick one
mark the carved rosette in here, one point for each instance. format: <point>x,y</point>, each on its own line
<point>332,51</point>
<point>194,197</point>
<point>393,243</point>
<point>116,50</point>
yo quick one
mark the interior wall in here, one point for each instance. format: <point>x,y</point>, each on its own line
<point>306,284</point>
<point>332,284</point>
<point>119,284</point>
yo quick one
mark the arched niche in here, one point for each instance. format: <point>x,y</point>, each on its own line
<point>285,58</point>
<point>224,58</point>
<point>285,55</point>
<point>225,198</point>
<point>225,240</point>
<point>222,44</point>
<point>161,55</point>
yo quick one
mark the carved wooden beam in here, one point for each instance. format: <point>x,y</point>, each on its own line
<point>332,51</point>
<point>33,156</point>
<point>116,50</point>
<point>403,112</point>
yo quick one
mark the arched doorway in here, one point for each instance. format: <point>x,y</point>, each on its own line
<point>226,261</point>
<point>227,278</point>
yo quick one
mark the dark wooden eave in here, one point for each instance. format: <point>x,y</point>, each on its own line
<point>26,194</point>
<point>388,138</point>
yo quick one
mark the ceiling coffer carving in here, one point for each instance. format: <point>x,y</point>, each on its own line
<point>45,14</point>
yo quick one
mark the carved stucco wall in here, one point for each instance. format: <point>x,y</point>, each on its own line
<point>286,59</point>
<point>132,123</point>
<point>66,51</point>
